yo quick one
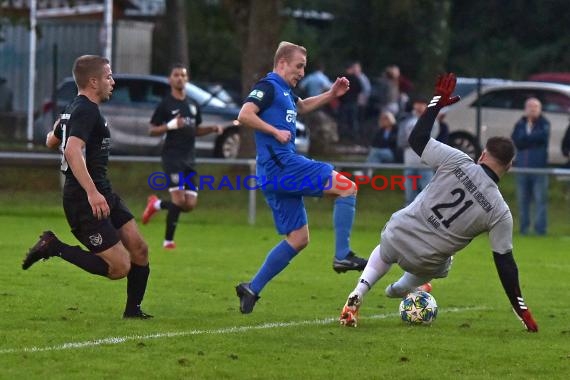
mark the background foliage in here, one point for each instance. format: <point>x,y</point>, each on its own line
<point>488,38</point>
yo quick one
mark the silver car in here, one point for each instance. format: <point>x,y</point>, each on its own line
<point>501,107</point>
<point>131,106</point>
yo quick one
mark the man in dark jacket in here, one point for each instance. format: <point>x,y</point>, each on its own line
<point>565,146</point>
<point>530,135</point>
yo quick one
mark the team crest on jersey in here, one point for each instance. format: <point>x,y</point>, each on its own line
<point>193,110</point>
<point>96,240</point>
<point>256,94</point>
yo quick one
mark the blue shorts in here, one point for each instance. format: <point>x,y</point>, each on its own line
<point>285,180</point>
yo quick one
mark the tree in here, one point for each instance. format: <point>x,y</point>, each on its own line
<point>177,30</point>
<point>258,25</point>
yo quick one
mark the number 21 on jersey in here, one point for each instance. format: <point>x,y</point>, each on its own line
<point>457,207</point>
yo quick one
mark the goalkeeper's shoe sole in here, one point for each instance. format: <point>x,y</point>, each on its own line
<point>42,250</point>
<point>349,314</point>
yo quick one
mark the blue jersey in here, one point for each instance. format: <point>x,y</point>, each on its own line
<point>277,104</point>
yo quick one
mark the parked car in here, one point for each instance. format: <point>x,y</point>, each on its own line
<point>554,77</point>
<point>466,85</point>
<point>130,108</point>
<point>501,107</point>
<point>218,91</point>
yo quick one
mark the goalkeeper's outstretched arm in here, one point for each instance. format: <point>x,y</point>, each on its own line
<point>509,275</point>
<point>444,88</point>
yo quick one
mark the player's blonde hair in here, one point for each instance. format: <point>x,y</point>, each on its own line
<point>87,67</point>
<point>285,50</point>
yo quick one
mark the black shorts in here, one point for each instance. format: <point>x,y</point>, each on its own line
<point>97,235</point>
<point>180,175</point>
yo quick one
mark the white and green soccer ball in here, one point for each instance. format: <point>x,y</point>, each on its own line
<point>418,308</point>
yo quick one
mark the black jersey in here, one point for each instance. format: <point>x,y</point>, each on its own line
<point>179,143</point>
<point>83,120</point>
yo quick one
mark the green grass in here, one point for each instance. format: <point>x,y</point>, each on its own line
<point>198,332</point>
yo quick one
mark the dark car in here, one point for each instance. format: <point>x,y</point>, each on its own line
<point>130,108</point>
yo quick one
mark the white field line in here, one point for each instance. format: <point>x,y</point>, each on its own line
<point>221,331</point>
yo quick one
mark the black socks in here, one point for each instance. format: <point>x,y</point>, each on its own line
<point>171,221</point>
<point>85,260</point>
<point>136,286</point>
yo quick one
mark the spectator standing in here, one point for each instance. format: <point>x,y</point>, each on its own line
<point>384,141</point>
<point>348,108</point>
<point>565,146</point>
<point>6,96</point>
<point>316,82</point>
<point>530,135</point>
<point>390,90</point>
<point>364,93</point>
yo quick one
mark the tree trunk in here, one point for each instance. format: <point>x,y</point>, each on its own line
<point>177,31</point>
<point>258,25</point>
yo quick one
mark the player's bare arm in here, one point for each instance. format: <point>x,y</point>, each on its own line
<point>52,141</point>
<point>203,130</point>
<point>248,117</point>
<point>175,123</point>
<point>74,157</point>
<point>339,88</point>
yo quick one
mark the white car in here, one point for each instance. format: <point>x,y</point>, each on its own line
<point>466,85</point>
<point>501,107</point>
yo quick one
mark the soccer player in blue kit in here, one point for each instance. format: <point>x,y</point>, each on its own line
<point>285,177</point>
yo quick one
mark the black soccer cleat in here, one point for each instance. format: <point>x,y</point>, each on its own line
<point>350,262</point>
<point>247,298</point>
<point>136,314</point>
<point>42,250</point>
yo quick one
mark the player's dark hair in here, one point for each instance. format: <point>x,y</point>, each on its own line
<point>87,67</point>
<point>501,148</point>
<point>286,50</point>
<point>177,65</point>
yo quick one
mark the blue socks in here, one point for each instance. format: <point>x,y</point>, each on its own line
<point>277,259</point>
<point>343,217</point>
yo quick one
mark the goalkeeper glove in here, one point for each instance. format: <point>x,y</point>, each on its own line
<point>443,89</point>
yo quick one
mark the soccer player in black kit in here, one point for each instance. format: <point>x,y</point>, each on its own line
<point>97,216</point>
<point>179,117</point>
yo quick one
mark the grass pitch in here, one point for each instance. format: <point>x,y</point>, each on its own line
<point>59,322</point>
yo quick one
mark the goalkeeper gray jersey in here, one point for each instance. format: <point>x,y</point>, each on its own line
<point>460,202</point>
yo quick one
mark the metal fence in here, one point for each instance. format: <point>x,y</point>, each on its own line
<point>72,40</point>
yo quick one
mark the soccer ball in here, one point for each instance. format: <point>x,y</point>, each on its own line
<point>418,308</point>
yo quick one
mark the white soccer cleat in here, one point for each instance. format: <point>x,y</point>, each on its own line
<point>349,314</point>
